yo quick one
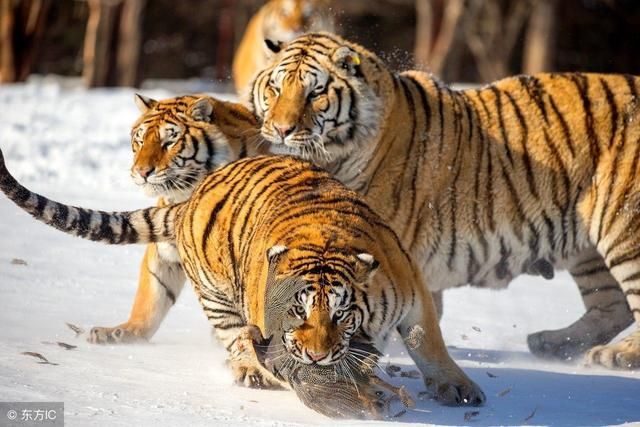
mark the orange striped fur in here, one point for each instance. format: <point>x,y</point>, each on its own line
<point>175,143</point>
<point>482,184</point>
<point>282,216</point>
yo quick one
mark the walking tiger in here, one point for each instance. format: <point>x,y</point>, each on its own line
<point>479,184</point>
<point>281,216</point>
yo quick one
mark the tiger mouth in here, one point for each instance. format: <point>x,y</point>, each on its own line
<point>169,186</point>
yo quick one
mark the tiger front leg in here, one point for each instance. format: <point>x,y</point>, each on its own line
<point>446,382</point>
<point>161,281</point>
<point>244,362</point>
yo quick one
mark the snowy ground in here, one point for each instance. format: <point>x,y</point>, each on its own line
<point>72,145</point>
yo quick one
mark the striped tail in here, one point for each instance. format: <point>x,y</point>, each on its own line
<point>115,228</point>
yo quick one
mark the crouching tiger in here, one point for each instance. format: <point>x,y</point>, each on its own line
<point>285,215</point>
<point>479,184</point>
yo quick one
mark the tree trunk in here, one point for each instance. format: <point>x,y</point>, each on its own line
<point>22,25</point>
<point>436,29</point>
<point>424,30</point>
<point>539,48</point>
<point>7,55</point>
<point>129,43</point>
<point>98,42</point>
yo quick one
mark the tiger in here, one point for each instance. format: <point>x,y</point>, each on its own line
<point>284,216</point>
<point>277,22</point>
<point>175,142</point>
<point>480,184</point>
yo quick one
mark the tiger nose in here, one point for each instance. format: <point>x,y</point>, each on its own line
<point>144,171</point>
<point>317,356</point>
<point>284,130</point>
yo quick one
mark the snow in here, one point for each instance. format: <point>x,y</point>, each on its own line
<point>73,145</point>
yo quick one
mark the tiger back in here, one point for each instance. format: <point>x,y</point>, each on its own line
<point>277,22</point>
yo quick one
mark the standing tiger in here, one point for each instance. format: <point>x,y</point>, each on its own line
<point>282,218</point>
<point>480,184</point>
<point>278,21</point>
<point>175,142</point>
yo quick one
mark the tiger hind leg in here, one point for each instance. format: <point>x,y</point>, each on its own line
<point>607,313</point>
<point>622,255</point>
<point>161,281</point>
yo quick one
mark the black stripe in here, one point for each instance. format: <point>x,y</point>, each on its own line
<point>502,268</point>
<point>619,260</point>
<point>503,129</point>
<point>605,288</point>
<point>41,204</point>
<point>83,224</point>
<point>563,124</point>
<point>613,109</point>
<point>536,92</point>
<point>525,152</point>
<point>582,84</point>
<point>168,291</point>
<point>632,278</point>
<point>230,326</point>
<point>596,270</point>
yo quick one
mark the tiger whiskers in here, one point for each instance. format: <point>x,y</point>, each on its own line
<point>346,369</point>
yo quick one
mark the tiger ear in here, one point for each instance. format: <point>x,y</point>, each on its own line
<point>274,46</point>
<point>274,252</point>
<point>200,110</point>
<point>144,103</point>
<point>366,265</point>
<point>348,60</point>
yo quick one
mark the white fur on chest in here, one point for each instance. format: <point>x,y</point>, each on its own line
<point>168,252</point>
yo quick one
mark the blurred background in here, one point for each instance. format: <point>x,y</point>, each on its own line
<point>128,42</point>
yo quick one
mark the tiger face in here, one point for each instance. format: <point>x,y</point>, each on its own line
<point>175,144</point>
<point>327,310</point>
<point>288,19</point>
<point>318,100</point>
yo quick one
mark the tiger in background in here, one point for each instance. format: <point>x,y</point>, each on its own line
<point>282,218</point>
<point>480,184</point>
<point>277,22</point>
<point>175,143</point>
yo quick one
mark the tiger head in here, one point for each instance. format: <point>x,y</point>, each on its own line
<point>285,20</point>
<point>322,309</point>
<point>177,141</point>
<point>322,98</point>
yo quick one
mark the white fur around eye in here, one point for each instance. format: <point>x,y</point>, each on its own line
<point>138,135</point>
<point>287,7</point>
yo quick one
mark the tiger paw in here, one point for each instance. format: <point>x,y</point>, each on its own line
<point>621,355</point>
<point>251,376</point>
<point>458,392</point>
<point>556,345</point>
<point>122,334</point>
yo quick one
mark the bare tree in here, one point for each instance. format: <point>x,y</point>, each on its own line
<point>539,47</point>
<point>436,28</point>
<point>129,43</point>
<point>112,42</point>
<point>22,24</point>
<point>491,33</point>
